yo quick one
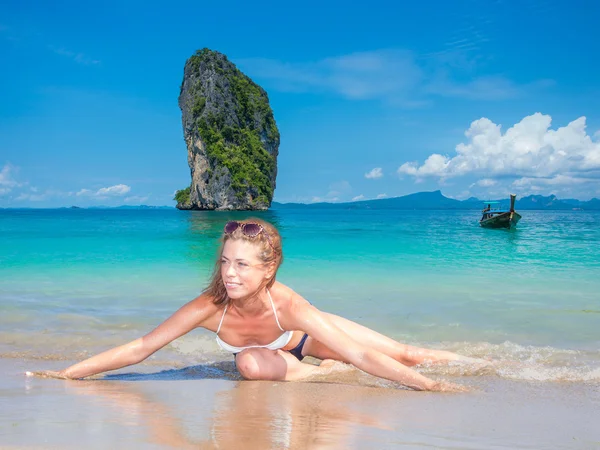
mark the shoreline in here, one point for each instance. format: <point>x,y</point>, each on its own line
<point>213,412</point>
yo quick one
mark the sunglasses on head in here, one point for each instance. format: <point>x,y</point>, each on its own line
<point>249,229</point>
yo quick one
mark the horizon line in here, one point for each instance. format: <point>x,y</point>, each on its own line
<point>470,199</point>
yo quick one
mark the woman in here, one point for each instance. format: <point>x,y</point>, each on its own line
<point>269,327</point>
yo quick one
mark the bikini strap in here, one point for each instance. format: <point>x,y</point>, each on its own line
<point>222,317</point>
<point>274,311</point>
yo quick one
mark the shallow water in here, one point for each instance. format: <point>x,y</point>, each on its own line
<point>74,282</point>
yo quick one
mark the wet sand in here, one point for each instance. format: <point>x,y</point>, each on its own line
<point>192,409</point>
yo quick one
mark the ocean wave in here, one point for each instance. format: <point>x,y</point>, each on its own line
<point>508,360</point>
<point>513,361</point>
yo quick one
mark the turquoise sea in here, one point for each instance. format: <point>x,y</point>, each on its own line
<point>74,282</point>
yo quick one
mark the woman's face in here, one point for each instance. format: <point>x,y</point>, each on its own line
<point>241,268</point>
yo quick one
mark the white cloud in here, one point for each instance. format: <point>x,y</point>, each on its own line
<point>555,181</point>
<point>362,75</point>
<point>563,186</point>
<point>21,190</point>
<point>106,192</point>
<point>529,150</point>
<point>7,179</point>
<point>381,196</point>
<point>31,197</point>
<point>79,58</point>
<point>358,197</point>
<point>484,88</point>
<point>9,183</point>
<point>119,189</point>
<point>316,200</point>
<point>375,173</point>
<point>35,196</point>
<point>396,76</point>
<point>485,182</point>
<point>113,192</point>
<point>434,166</point>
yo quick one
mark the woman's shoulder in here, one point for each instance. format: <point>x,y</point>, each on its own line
<point>280,292</point>
<point>286,297</point>
<point>290,306</point>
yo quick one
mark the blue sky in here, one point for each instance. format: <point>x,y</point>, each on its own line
<point>372,99</point>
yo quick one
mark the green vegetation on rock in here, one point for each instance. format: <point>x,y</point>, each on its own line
<point>242,152</point>
<point>199,103</point>
<point>182,196</point>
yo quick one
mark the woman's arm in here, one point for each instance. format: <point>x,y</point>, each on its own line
<point>188,317</point>
<point>316,324</point>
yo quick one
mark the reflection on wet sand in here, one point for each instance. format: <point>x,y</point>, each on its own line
<point>207,407</point>
<point>248,414</point>
<point>287,416</point>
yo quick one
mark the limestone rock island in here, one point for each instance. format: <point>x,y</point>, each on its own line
<point>231,136</point>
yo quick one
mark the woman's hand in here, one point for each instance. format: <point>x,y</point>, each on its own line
<point>49,374</point>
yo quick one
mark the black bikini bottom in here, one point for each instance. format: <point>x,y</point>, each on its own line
<point>296,351</point>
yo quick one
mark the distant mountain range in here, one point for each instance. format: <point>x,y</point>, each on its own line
<point>420,200</point>
<point>126,207</point>
<point>435,200</point>
<point>136,207</point>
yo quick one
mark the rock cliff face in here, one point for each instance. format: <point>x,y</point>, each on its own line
<point>231,136</point>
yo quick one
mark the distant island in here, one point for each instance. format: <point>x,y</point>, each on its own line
<point>119,207</point>
<point>435,200</point>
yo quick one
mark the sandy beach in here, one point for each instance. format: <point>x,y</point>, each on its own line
<point>154,409</point>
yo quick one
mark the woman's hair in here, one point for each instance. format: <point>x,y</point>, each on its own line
<point>268,243</point>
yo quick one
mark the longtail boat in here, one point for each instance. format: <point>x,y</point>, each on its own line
<point>498,217</point>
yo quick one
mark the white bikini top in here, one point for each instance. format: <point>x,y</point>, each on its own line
<point>278,343</point>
